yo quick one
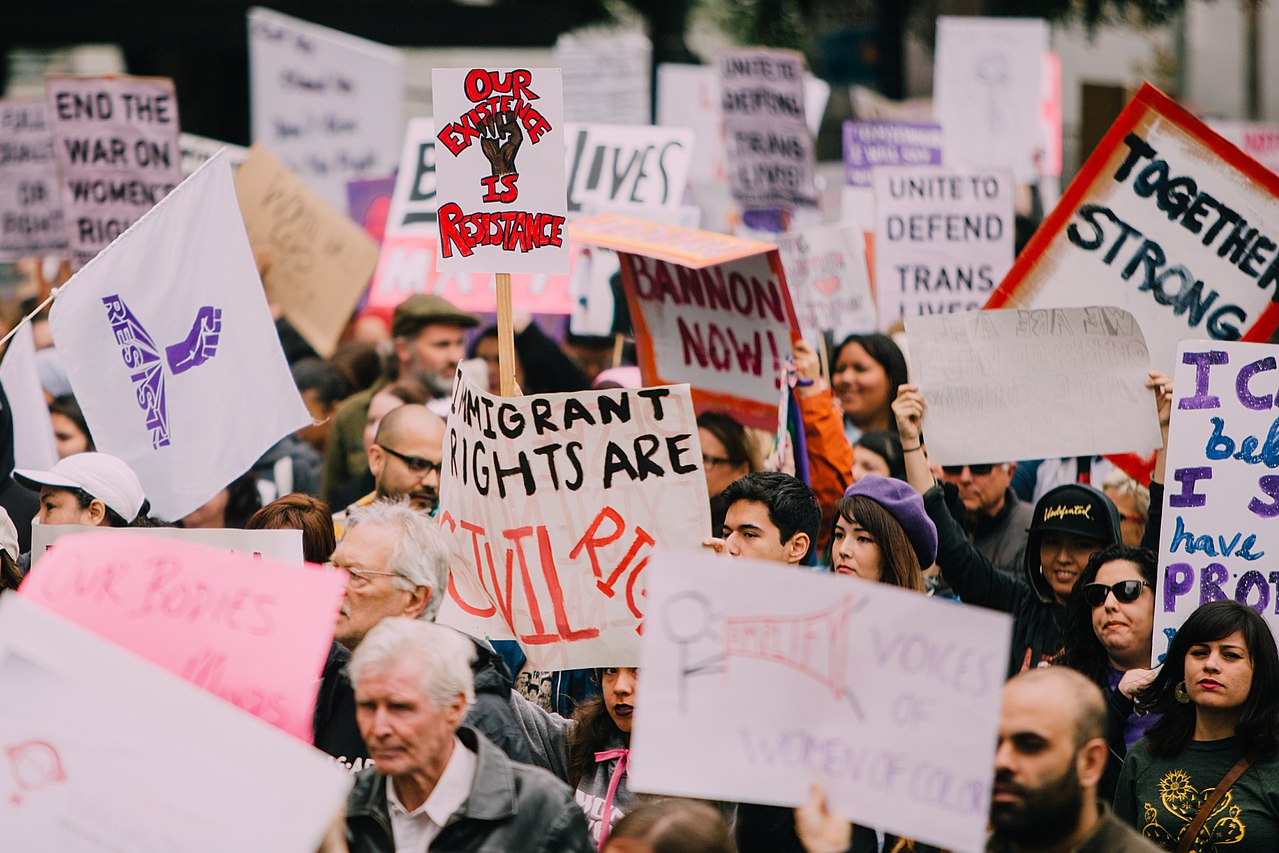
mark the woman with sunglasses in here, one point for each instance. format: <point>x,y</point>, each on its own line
<point>1214,751</point>
<point>1107,636</point>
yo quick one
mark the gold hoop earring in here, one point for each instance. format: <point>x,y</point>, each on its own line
<point>1179,693</point>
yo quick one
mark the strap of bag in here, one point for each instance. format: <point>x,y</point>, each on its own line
<point>1210,805</point>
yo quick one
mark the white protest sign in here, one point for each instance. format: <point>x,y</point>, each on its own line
<point>33,442</point>
<point>1222,494</point>
<point>171,349</point>
<point>198,150</point>
<point>885,697</point>
<point>575,490</point>
<point>943,239</point>
<point>828,280</point>
<point>284,546</point>
<point>1258,140</point>
<point>106,751</point>
<point>688,96</point>
<point>1032,384</point>
<point>329,104</point>
<point>1166,220</point>
<point>606,75</point>
<point>115,142</point>
<point>616,165</point>
<point>987,92</point>
<point>500,170</point>
<point>30,206</point>
<point>413,203</point>
<point>768,144</point>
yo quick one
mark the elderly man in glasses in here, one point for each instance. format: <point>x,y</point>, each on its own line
<point>405,460</point>
<point>997,518</point>
<point>397,564</point>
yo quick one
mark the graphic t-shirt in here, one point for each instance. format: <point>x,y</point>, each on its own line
<point>1160,797</point>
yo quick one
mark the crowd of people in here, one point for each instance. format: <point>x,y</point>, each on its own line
<point>456,743</point>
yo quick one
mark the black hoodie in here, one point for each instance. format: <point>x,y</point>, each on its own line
<point>21,504</point>
<point>1037,616</point>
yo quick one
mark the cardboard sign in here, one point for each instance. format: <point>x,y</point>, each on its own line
<point>828,279</point>
<point>282,546</point>
<point>500,161</point>
<point>1168,221</point>
<point>1258,140</point>
<point>987,92</point>
<point>725,329</point>
<point>606,75</point>
<point>868,144</point>
<point>684,246</point>
<point>760,680</point>
<point>115,142</point>
<point>1033,384</point>
<point>575,490</point>
<point>330,105</point>
<point>770,151</point>
<point>319,261</point>
<point>621,165</point>
<point>1222,494</point>
<point>102,750</point>
<point>30,206</point>
<point>943,239</point>
<point>252,631</point>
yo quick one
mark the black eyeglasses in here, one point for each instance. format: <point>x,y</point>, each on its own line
<point>1126,592</point>
<point>709,461</point>
<point>977,470</point>
<point>416,464</point>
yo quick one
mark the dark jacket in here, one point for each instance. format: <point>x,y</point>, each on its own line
<point>1037,616</point>
<point>1111,835</point>
<point>771,829</point>
<point>22,504</point>
<point>511,807</point>
<point>1002,536</point>
<point>337,734</point>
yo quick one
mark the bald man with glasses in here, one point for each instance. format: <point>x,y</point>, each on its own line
<point>405,459</point>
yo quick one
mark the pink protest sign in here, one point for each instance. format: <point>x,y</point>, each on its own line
<point>254,632</point>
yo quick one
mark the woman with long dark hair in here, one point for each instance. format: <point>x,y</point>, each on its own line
<point>865,374</point>
<point>1213,752</point>
<point>1107,635</point>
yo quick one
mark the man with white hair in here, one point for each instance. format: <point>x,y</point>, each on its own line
<point>397,564</point>
<point>439,784</point>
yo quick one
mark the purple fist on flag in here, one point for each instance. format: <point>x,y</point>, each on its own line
<point>200,345</point>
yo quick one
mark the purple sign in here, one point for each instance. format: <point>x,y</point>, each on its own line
<point>888,143</point>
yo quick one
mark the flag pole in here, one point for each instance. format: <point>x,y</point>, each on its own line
<point>505,336</point>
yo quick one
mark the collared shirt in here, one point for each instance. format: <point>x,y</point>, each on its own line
<point>415,830</point>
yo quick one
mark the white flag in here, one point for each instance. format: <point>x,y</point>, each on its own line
<point>33,445</point>
<point>171,349</point>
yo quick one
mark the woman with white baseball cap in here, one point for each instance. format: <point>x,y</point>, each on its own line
<point>93,489</point>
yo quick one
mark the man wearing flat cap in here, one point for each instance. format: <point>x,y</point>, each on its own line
<point>430,340</point>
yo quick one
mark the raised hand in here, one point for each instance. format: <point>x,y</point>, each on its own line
<point>500,139</point>
<point>908,408</point>
<point>200,345</point>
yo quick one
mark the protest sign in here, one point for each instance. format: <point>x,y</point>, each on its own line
<point>30,206</point>
<point>943,239</point>
<point>327,103</point>
<point>33,443</point>
<point>198,150</point>
<point>606,75</point>
<point>1050,117</point>
<point>1258,140</point>
<point>105,751</point>
<point>1033,384</point>
<point>500,170</point>
<point>769,148</point>
<point>1166,220</point>
<point>115,143</point>
<point>281,546</point>
<point>621,165</point>
<point>1222,493</point>
<point>760,680</point>
<point>868,144</point>
<point>318,261</point>
<point>253,631</point>
<point>725,329</point>
<point>685,246</point>
<point>576,489</point>
<point>987,92</point>
<point>828,279</point>
<point>688,96</point>
<point>368,204</point>
<point>171,349</point>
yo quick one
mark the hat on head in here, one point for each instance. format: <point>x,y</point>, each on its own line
<point>1070,508</point>
<point>906,506</point>
<point>8,534</point>
<point>105,477</point>
<point>421,309</point>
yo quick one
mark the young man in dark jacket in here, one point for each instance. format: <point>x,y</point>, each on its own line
<point>1070,524</point>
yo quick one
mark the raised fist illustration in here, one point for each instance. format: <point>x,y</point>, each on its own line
<point>200,345</point>
<point>500,138</point>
